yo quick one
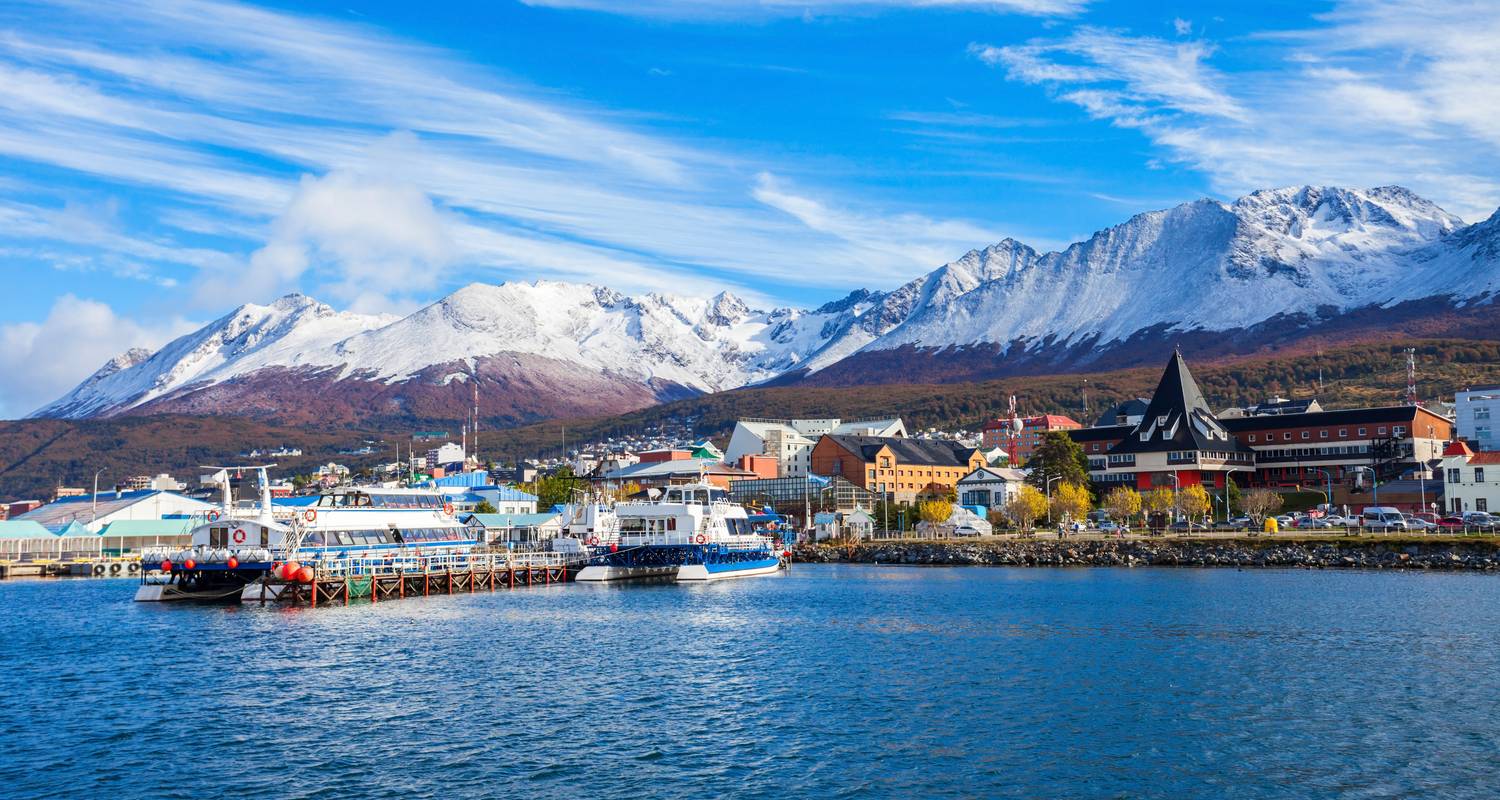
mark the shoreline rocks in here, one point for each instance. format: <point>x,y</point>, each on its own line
<point>1351,554</point>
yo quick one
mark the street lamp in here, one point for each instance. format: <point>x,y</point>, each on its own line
<point>1176,484</point>
<point>1328,495</point>
<point>94,500</point>
<point>1374,481</point>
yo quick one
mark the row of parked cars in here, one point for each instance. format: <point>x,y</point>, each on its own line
<point>1374,519</point>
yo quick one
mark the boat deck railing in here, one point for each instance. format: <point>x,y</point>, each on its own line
<point>412,563</point>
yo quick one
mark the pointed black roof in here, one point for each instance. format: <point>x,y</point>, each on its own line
<point>1178,418</point>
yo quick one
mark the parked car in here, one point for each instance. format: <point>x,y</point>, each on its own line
<point>1109,526</point>
<point>1313,523</point>
<point>1186,526</point>
<point>1416,523</point>
<point>1451,523</point>
<point>1481,520</point>
<point>1384,519</point>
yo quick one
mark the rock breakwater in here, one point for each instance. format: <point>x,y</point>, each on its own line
<point>1351,554</point>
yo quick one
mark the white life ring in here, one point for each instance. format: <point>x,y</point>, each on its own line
<point>239,536</point>
<point>311,515</point>
<point>702,538</point>
<point>593,541</point>
<point>448,509</point>
<point>213,516</point>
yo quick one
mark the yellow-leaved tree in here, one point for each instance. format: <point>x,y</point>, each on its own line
<point>1070,501</point>
<point>1122,503</point>
<point>1193,502</point>
<point>1026,507</point>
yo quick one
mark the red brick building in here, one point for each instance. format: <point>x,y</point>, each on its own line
<point>1020,445</point>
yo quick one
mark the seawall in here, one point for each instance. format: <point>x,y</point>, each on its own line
<point>1474,554</point>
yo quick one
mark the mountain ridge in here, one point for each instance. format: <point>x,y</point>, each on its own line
<point>1270,269</point>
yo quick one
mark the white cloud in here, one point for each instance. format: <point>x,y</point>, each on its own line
<point>738,9</point>
<point>77,337</point>
<point>1382,91</point>
<point>1183,27</point>
<point>881,246</point>
<point>370,242</point>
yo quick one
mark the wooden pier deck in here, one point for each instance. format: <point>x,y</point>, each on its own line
<point>379,580</point>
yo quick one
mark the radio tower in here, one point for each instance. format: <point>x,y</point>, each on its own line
<point>476,419</point>
<point>1411,376</point>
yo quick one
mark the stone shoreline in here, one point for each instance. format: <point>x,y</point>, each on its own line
<point>1481,555</point>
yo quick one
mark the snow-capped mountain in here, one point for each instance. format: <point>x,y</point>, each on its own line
<point>569,347</point>
<point>1270,268</point>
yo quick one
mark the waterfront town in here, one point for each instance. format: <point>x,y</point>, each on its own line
<point>1167,464</point>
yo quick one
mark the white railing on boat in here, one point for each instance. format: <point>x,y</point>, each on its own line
<point>361,566</point>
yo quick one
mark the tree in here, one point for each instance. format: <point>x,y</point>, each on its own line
<point>1070,501</point>
<point>1123,503</point>
<point>484,507</point>
<point>1193,502</point>
<point>1025,507</point>
<point>1058,456</point>
<point>1156,502</point>
<point>1233,498</point>
<point>554,489</point>
<point>1261,503</point>
<point>933,512</point>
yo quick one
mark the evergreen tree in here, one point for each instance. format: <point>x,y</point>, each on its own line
<point>1058,457</point>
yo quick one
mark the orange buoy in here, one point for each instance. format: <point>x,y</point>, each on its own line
<point>232,563</point>
<point>613,547</point>
<point>166,565</point>
<point>189,564</point>
<point>305,574</point>
<point>289,570</point>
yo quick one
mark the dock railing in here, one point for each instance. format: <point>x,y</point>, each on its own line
<point>412,563</point>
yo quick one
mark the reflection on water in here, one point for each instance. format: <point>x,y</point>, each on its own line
<point>829,681</point>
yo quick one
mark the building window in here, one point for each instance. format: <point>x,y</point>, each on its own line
<point>1361,431</point>
<point>1380,430</point>
<point>1481,504</point>
<point>1287,436</point>
<point>1481,412</point>
<point>1307,434</point>
<point>1343,433</point>
<point>1453,476</point>
<point>1252,437</point>
<point>1481,433</point>
<point>885,462</point>
<point>1323,434</point>
<point>1399,430</point>
<point>1479,476</point>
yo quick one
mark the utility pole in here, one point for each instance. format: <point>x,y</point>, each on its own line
<point>1411,376</point>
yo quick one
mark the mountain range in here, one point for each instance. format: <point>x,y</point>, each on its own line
<point>1275,268</point>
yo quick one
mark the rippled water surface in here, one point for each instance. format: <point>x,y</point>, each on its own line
<point>829,681</point>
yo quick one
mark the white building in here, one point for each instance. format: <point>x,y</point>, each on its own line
<point>1471,481</point>
<point>1475,411</point>
<point>991,487</point>
<point>448,453</point>
<point>96,511</point>
<point>790,441</point>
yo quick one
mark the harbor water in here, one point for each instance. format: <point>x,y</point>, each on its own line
<point>826,681</point>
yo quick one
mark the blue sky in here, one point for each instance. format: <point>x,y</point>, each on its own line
<point>162,161</point>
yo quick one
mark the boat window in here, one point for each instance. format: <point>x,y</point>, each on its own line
<point>313,538</point>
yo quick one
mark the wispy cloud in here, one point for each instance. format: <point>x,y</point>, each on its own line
<point>741,9</point>
<point>234,124</point>
<point>1380,91</point>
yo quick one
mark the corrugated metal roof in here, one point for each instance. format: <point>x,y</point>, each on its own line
<point>23,529</point>
<point>148,527</point>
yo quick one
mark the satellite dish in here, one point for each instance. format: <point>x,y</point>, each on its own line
<point>1016,424</point>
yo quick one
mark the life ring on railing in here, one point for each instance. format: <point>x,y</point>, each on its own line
<point>702,538</point>
<point>238,536</point>
<point>311,515</point>
<point>213,516</point>
<point>448,509</point>
<point>593,541</point>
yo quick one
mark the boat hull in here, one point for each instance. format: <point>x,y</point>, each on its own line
<point>597,573</point>
<point>698,573</point>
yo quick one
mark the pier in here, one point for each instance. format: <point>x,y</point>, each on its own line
<point>384,579</point>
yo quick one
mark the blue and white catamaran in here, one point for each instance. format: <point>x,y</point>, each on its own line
<point>692,533</point>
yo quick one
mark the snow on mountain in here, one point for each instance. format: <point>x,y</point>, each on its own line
<point>1203,265</point>
<point>294,331</point>
<point>703,345</point>
<point>547,346</point>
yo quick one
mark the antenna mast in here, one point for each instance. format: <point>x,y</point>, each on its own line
<point>1411,376</point>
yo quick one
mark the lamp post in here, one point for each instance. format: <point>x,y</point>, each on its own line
<point>1176,484</point>
<point>1374,481</point>
<point>1328,495</point>
<point>94,500</point>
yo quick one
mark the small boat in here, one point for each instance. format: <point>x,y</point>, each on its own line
<point>691,534</point>
<point>234,548</point>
